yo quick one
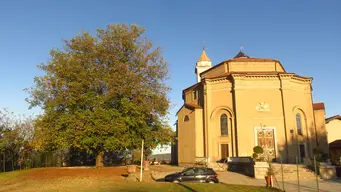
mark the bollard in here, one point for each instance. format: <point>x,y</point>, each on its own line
<point>317,181</point>
<point>298,176</point>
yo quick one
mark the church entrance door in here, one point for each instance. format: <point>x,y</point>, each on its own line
<point>266,139</point>
<point>224,151</point>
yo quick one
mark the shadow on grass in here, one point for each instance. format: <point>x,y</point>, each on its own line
<point>186,187</point>
<point>160,180</point>
<point>124,175</point>
<point>237,187</point>
<point>157,180</point>
<point>303,186</point>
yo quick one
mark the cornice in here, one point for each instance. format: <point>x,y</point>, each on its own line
<point>288,76</point>
<point>217,80</point>
<point>302,79</point>
<point>244,87</point>
<point>254,76</point>
<point>285,76</point>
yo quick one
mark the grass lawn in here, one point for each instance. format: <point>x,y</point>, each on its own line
<point>104,179</point>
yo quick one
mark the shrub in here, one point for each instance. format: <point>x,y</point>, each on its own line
<point>258,153</point>
<point>258,149</point>
<point>320,155</point>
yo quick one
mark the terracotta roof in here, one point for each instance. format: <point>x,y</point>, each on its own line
<point>189,105</point>
<point>244,59</point>
<point>251,59</point>
<point>192,105</point>
<point>203,56</point>
<point>192,87</point>
<point>335,144</point>
<point>217,76</point>
<point>332,118</point>
<point>317,106</point>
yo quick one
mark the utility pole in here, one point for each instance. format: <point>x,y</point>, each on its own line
<point>141,161</point>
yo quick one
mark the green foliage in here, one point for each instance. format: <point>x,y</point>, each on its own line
<point>16,134</point>
<point>258,149</point>
<point>103,93</point>
<point>320,155</point>
<point>258,153</point>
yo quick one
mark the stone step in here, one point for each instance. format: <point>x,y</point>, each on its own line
<point>290,172</point>
<point>218,166</point>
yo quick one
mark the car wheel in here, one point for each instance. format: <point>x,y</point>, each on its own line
<point>210,181</point>
<point>176,181</point>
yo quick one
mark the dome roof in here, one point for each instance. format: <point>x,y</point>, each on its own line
<point>241,55</point>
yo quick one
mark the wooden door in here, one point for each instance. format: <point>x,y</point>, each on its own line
<point>224,151</point>
<point>266,140</point>
<point>302,152</point>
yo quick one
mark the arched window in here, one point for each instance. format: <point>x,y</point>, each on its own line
<point>223,124</point>
<point>299,124</point>
<point>186,118</point>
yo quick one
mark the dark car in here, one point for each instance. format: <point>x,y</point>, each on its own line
<point>195,174</point>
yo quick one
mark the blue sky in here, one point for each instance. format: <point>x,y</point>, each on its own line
<point>304,35</point>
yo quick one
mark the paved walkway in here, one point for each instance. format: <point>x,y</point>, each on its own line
<point>158,173</point>
<point>305,186</point>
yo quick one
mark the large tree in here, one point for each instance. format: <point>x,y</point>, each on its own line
<point>104,92</point>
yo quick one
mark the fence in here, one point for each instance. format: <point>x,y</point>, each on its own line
<point>280,182</point>
<point>12,161</point>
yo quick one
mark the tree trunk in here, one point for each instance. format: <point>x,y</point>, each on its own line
<point>12,161</point>
<point>4,162</point>
<point>45,159</point>
<point>132,156</point>
<point>99,160</point>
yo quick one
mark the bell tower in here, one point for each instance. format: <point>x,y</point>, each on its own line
<point>203,64</point>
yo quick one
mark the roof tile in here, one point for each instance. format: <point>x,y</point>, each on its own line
<point>317,106</point>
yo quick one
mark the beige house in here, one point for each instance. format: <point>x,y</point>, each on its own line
<point>244,102</point>
<point>333,126</point>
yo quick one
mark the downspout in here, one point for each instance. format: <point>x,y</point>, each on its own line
<point>205,119</point>
<point>312,105</point>
<point>235,116</point>
<point>284,119</point>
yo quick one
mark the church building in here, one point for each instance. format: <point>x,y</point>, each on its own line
<point>245,102</point>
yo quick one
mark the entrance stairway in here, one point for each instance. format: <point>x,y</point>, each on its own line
<point>290,172</point>
<point>217,166</point>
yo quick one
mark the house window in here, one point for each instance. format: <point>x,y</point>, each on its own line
<point>186,118</point>
<point>194,95</point>
<point>223,125</point>
<point>299,124</point>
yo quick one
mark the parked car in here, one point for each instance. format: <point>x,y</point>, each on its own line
<point>194,174</point>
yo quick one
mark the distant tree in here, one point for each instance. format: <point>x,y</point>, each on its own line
<point>16,134</point>
<point>102,93</point>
